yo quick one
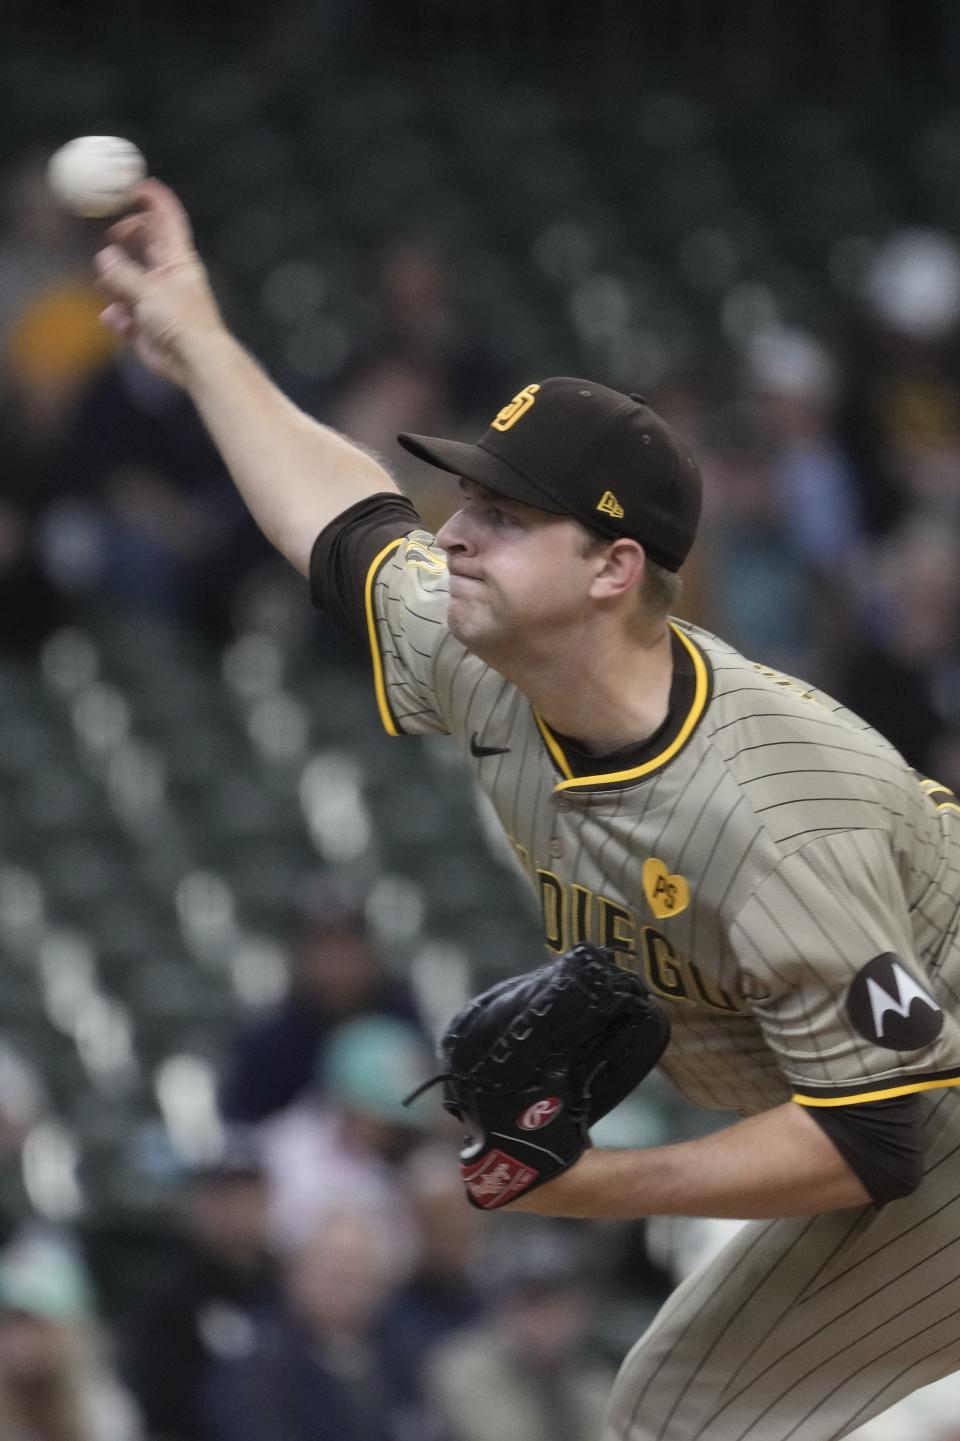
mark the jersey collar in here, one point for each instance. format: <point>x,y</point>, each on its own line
<point>689,695</point>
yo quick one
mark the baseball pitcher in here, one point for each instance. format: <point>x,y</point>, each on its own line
<point>784,888</point>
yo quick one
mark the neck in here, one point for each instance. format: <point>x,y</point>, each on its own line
<point>613,693</point>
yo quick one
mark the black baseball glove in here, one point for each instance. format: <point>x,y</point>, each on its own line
<point>533,1062</point>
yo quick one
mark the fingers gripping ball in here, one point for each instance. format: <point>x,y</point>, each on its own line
<point>95,174</point>
<point>533,1062</point>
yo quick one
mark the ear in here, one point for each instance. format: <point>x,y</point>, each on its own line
<point>620,569</point>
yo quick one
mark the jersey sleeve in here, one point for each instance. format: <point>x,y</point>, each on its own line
<point>405,605</point>
<point>345,549</point>
<point>379,574</point>
<point>827,964</point>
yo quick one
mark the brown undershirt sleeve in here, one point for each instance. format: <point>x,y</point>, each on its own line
<point>881,1141</point>
<point>345,549</point>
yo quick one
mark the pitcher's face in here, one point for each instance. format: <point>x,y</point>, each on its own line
<point>517,574</point>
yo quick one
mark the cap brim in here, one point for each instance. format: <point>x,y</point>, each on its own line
<point>472,462</point>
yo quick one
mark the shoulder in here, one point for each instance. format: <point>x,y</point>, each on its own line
<point>752,700</point>
<point>802,760</point>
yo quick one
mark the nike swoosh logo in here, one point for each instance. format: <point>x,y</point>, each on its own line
<point>480,751</point>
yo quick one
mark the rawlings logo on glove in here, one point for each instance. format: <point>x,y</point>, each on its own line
<point>541,1113</point>
<point>533,1062</point>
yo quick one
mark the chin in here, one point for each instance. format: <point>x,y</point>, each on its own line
<point>470,631</point>
<point>461,629</point>
<point>460,623</point>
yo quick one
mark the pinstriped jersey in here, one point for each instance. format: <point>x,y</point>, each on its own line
<point>780,877</point>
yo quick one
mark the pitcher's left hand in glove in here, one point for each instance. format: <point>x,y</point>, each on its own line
<point>534,1061</point>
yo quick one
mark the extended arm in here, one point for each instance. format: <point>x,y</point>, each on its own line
<point>294,474</point>
<point>777,1164</point>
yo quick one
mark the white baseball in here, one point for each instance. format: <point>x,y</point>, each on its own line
<point>94,174</point>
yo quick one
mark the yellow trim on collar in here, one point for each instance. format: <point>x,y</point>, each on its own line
<point>862,1096</point>
<point>379,684</point>
<point>694,715</point>
<point>553,747</point>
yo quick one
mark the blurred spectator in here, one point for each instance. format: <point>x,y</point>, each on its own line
<point>419,315</point>
<point>320,1370</point>
<point>385,394</point>
<point>51,338</point>
<point>796,382</point>
<point>55,1384</point>
<point>173,537</point>
<point>205,1304</point>
<point>762,591</point>
<point>51,341</point>
<point>681,398</point>
<point>54,344</point>
<point>903,376</point>
<point>901,667</point>
<point>336,974</point>
<point>422,368</point>
<point>526,1373</point>
<point>343,1143</point>
<point>41,245</point>
<point>443,1291</point>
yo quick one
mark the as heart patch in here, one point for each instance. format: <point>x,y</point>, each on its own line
<point>668,895</point>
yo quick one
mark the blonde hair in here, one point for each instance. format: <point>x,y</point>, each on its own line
<point>660,589</point>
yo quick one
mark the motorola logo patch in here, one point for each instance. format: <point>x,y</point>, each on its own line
<point>891,1009</point>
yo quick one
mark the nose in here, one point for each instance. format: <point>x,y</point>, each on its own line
<point>455,535</point>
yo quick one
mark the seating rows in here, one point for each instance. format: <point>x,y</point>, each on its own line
<point>151,855</point>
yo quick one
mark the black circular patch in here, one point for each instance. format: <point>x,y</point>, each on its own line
<point>890,1008</point>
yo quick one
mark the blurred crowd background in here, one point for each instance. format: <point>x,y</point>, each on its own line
<point>233,913</point>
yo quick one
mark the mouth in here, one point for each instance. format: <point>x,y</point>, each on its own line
<point>460,583</point>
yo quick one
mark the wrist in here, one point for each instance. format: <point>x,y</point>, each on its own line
<point>203,349</point>
<point>573,1193</point>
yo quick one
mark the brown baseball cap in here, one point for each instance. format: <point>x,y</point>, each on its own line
<point>577,448</point>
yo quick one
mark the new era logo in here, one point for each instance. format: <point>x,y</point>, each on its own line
<point>609,505</point>
<point>497,1179</point>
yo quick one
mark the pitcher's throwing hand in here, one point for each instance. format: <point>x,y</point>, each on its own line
<point>158,294</point>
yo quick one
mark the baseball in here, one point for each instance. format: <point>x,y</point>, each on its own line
<point>94,174</point>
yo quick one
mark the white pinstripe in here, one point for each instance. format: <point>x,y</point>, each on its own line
<point>802,1330</point>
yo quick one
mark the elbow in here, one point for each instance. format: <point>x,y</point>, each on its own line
<point>899,1181</point>
<point>882,1142</point>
